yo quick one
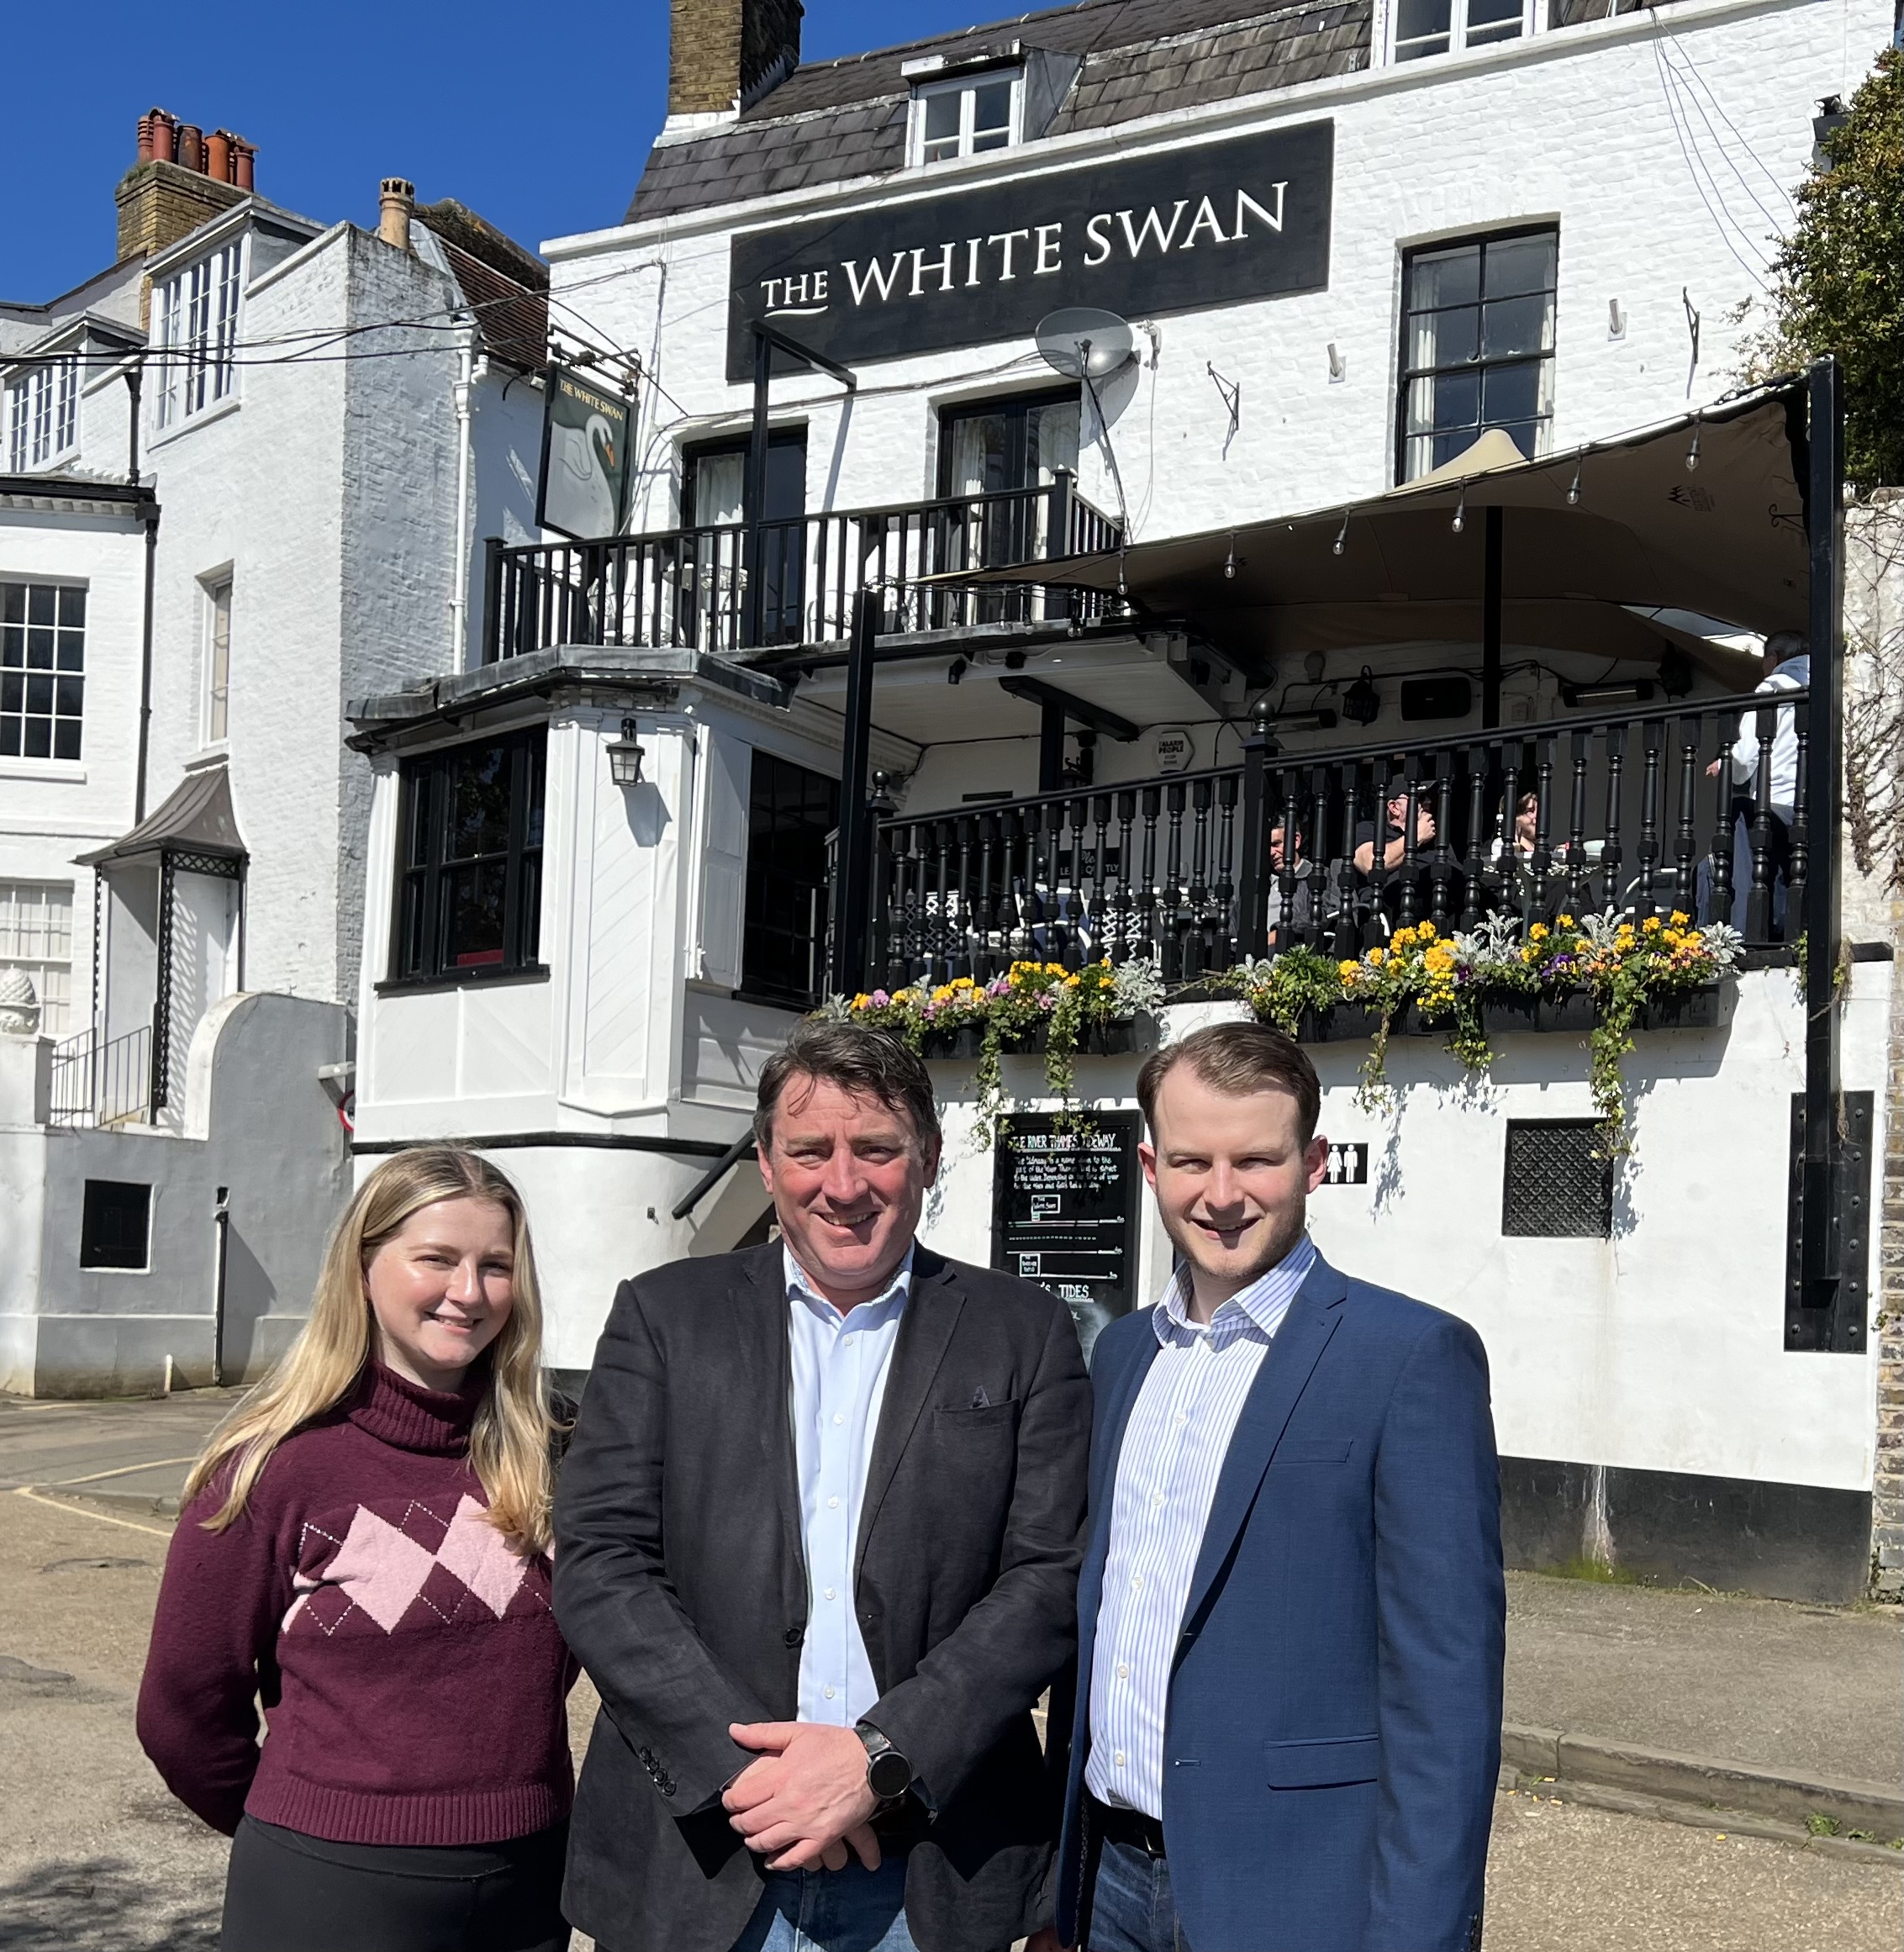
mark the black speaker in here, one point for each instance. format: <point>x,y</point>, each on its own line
<point>1435,698</point>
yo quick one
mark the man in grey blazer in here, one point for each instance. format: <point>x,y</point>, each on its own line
<point>817,1544</point>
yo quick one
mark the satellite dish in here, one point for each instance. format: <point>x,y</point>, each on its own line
<point>1081,342</point>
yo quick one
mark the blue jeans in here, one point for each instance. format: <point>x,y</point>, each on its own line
<point>854,1910</point>
<point>1131,1907</point>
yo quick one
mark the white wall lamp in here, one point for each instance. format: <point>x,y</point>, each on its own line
<point>625,757</point>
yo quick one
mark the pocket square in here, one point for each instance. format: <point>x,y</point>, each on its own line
<point>980,1401</point>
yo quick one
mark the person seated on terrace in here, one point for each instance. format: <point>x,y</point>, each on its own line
<point>1379,880</point>
<point>1788,667</point>
<point>1310,902</point>
<point>1510,862</point>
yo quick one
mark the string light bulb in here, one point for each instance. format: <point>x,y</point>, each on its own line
<point>1230,561</point>
<point>1692,452</point>
<point>1342,535</point>
<point>1574,489</point>
<point>1461,512</point>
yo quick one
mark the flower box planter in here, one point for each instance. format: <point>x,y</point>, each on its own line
<point>1710,1007</point>
<point>1117,1038</point>
<point>1342,1023</point>
<point>1570,1011</point>
<point>1510,1015</point>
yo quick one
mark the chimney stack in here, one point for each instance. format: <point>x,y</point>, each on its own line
<point>724,55</point>
<point>396,201</point>
<point>181,177</point>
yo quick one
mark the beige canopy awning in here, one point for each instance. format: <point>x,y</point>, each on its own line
<point>1588,538</point>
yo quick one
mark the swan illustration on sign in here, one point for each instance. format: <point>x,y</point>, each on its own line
<point>584,458</point>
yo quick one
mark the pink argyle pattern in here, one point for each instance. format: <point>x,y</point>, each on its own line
<point>415,1567</point>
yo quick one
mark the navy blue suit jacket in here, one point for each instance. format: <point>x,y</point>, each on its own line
<point>1332,1737</point>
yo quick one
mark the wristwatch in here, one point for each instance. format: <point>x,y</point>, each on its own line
<point>889,1775</point>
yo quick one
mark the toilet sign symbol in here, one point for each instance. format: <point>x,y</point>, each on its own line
<point>1348,1166</point>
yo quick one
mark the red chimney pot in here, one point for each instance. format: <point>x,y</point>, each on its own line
<point>164,136</point>
<point>244,154</point>
<point>146,139</point>
<point>218,155</point>
<point>191,147</point>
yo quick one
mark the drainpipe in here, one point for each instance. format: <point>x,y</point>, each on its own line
<point>150,515</point>
<point>459,567</point>
<point>221,1218</point>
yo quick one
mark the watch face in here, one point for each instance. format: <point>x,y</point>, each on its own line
<point>889,1775</point>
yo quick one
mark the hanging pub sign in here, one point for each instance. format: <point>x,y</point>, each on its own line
<point>1064,1210</point>
<point>1207,224</point>
<point>584,484</point>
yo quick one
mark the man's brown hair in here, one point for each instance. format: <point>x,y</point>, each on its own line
<point>1237,1059</point>
<point>862,1062</point>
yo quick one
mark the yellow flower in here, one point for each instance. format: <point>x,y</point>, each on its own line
<point>1566,922</point>
<point>1424,931</point>
<point>1346,970</point>
<point>1537,933</point>
<point>1527,955</point>
<point>1071,982</point>
<point>1679,918</point>
<point>1652,923</point>
<point>1376,957</point>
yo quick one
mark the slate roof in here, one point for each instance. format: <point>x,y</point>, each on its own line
<point>833,121</point>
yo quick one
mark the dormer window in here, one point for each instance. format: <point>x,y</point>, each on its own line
<point>966,115</point>
<point>196,314</point>
<point>1439,26</point>
<point>42,414</point>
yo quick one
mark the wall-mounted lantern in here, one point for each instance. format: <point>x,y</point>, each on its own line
<point>625,757</point>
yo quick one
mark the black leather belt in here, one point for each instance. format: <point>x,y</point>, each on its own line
<point>1131,1827</point>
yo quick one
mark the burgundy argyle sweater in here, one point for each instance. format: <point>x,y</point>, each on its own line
<point>412,1677</point>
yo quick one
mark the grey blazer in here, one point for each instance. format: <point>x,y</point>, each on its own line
<point>680,1582</point>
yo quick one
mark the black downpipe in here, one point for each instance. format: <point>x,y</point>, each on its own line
<point>221,1218</point>
<point>852,927</point>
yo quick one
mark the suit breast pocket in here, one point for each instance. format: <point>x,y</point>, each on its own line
<point>989,1417</point>
<point>1313,1451</point>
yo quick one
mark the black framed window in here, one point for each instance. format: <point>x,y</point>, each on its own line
<point>115,1226</point>
<point>1477,347</point>
<point>42,670</point>
<point>469,860</point>
<point>713,479</point>
<point>790,811</point>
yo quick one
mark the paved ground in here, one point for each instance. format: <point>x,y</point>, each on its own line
<point>94,1856</point>
<point>1799,1688</point>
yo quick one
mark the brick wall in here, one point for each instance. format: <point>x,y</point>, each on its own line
<point>161,202</point>
<point>719,50</point>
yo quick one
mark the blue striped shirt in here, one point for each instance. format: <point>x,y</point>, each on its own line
<point>1172,1455</point>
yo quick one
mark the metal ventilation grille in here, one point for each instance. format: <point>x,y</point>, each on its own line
<point>1554,1185</point>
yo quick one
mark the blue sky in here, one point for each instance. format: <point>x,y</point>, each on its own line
<point>539,117</point>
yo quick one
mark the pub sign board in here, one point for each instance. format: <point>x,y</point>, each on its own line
<point>1065,1206</point>
<point>1246,217</point>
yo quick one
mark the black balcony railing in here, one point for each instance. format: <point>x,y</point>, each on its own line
<point>690,588</point>
<point>1199,870</point>
<point>99,1083</point>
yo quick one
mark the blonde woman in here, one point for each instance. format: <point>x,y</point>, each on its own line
<point>364,1549</point>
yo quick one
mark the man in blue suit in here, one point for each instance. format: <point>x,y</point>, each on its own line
<point>1287,1731</point>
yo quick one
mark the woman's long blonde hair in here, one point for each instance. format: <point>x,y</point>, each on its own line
<point>508,1442</point>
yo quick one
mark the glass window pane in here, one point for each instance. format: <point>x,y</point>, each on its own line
<point>12,648</point>
<point>1521,264</point>
<point>72,609</point>
<point>479,804</point>
<point>39,695</point>
<point>941,115</point>
<point>13,603</point>
<point>1053,440</point>
<point>39,650</point>
<point>474,930</point>
<point>991,106</point>
<point>9,735</point>
<point>1449,400</point>
<point>1526,435</point>
<point>1421,28</point>
<point>41,598</point>
<point>409,929</point>
<point>12,689</point>
<point>66,739</point>
<point>1520,325</point>
<point>67,692</point>
<point>1451,338</point>
<point>1490,20</point>
<point>530,898</point>
<point>1445,277</point>
<point>720,486</point>
<point>37,739</point>
<point>1511,393</point>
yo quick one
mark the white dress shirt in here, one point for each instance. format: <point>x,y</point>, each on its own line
<point>840,1364</point>
<point>1171,1458</point>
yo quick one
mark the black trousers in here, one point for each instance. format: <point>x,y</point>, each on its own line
<point>288,1892</point>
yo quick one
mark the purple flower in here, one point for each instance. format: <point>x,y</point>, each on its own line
<point>880,999</point>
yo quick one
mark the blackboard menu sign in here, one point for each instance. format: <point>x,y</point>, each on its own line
<point>1065,1204</point>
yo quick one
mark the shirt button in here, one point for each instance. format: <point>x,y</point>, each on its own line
<point>1181,1419</point>
<point>832,1504</point>
<point>828,1593</point>
<point>1156,1498</point>
<point>1123,1670</point>
<point>828,1692</point>
<point>1136,1582</point>
<point>1118,1758</point>
<point>838,1419</point>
